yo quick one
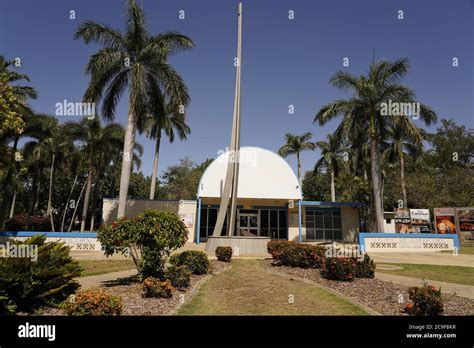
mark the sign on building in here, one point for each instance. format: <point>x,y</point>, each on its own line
<point>445,222</point>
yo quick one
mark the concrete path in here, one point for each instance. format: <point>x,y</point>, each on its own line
<point>428,258</point>
<point>459,289</point>
<point>97,280</point>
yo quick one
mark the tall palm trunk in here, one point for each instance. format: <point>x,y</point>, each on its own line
<point>376,183</point>
<point>67,202</point>
<point>127,157</point>
<point>155,165</point>
<point>299,167</point>
<point>333,188</point>
<point>85,207</point>
<point>402,180</point>
<point>94,198</point>
<point>12,209</point>
<point>77,204</point>
<point>49,211</point>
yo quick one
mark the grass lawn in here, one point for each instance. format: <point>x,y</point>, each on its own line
<point>94,267</point>
<point>462,250</point>
<point>449,274</point>
<point>248,289</point>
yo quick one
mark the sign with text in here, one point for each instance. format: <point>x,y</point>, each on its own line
<point>402,220</point>
<point>420,221</point>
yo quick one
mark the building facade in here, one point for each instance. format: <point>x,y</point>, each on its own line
<point>269,204</point>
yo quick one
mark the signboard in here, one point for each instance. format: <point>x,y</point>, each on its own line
<point>465,217</point>
<point>445,222</point>
<point>187,219</point>
<point>402,220</point>
<point>420,221</point>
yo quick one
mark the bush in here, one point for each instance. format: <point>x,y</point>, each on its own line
<point>27,284</point>
<point>339,268</point>
<point>179,276</point>
<point>149,238</point>
<point>426,301</point>
<point>196,260</point>
<point>153,287</point>
<point>365,268</point>
<point>19,222</point>
<point>224,253</point>
<point>293,254</point>
<point>93,302</point>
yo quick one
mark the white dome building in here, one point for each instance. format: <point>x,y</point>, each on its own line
<point>269,204</point>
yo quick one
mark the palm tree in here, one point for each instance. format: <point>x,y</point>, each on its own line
<point>330,155</point>
<point>39,128</point>
<point>362,112</point>
<point>406,137</point>
<point>138,61</point>
<point>168,122</point>
<point>294,145</point>
<point>19,106</point>
<point>97,143</point>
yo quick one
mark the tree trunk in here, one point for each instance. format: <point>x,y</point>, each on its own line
<point>333,188</point>
<point>402,180</point>
<point>67,202</point>
<point>77,204</point>
<point>376,183</point>
<point>86,199</point>
<point>49,211</point>
<point>128,145</point>
<point>12,209</point>
<point>155,165</point>
<point>299,167</point>
<point>94,199</point>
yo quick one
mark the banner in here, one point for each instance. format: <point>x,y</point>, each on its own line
<point>402,220</point>
<point>465,217</point>
<point>420,221</point>
<point>445,222</point>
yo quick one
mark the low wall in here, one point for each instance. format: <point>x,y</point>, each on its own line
<point>77,241</point>
<point>412,242</point>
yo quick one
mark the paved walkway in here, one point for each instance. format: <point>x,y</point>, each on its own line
<point>459,289</point>
<point>428,258</point>
<point>97,280</point>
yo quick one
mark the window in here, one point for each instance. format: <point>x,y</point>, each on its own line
<point>323,224</point>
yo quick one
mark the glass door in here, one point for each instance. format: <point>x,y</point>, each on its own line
<point>248,225</point>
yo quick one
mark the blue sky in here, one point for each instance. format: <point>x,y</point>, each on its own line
<point>284,61</point>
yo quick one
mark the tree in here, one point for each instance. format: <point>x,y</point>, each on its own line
<point>294,145</point>
<point>330,156</point>
<point>407,137</point>
<point>97,142</point>
<point>136,61</point>
<point>169,121</point>
<point>315,186</point>
<point>362,112</point>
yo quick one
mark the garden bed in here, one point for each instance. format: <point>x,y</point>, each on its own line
<point>381,296</point>
<point>133,302</point>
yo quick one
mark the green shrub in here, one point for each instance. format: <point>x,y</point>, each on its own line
<point>287,253</point>
<point>153,287</point>
<point>365,268</point>
<point>148,238</point>
<point>339,268</point>
<point>178,276</point>
<point>27,284</point>
<point>93,302</point>
<point>426,301</point>
<point>196,260</point>
<point>224,253</point>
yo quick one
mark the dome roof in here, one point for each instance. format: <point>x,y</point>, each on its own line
<point>262,174</point>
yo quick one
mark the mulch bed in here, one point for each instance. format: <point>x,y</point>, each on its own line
<point>133,302</point>
<point>376,294</point>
